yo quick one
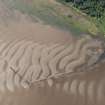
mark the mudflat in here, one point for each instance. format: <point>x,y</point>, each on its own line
<point>34,31</point>
<point>42,51</point>
<point>25,29</point>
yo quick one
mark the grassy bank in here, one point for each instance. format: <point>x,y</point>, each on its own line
<point>98,22</point>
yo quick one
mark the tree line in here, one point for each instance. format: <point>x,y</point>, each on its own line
<point>94,8</point>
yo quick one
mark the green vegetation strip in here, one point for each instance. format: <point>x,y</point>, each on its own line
<point>95,9</point>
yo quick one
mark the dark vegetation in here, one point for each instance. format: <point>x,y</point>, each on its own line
<point>93,8</point>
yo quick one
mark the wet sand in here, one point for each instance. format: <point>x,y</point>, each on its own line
<point>36,95</point>
<point>35,31</point>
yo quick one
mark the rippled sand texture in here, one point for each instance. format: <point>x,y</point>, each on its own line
<point>43,65</point>
<point>30,68</point>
